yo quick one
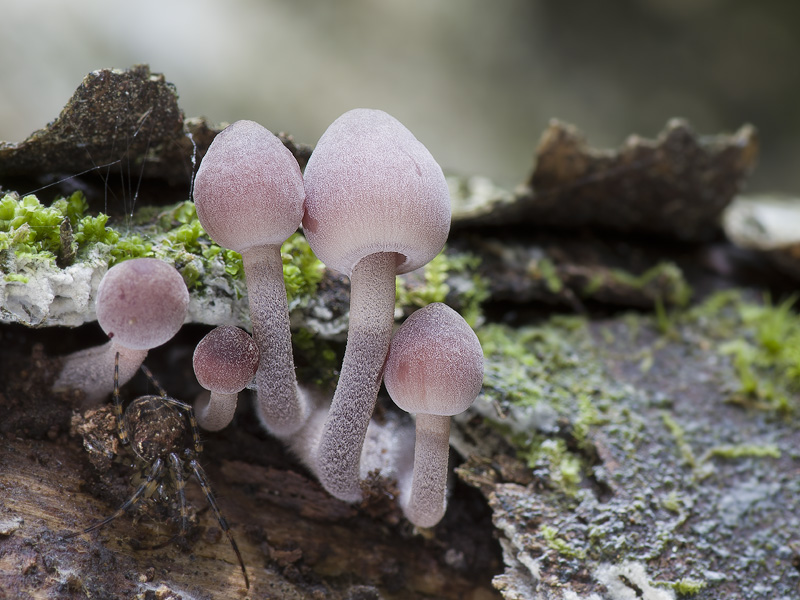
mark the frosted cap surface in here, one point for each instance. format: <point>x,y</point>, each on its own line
<point>435,363</point>
<point>225,360</point>
<point>371,187</point>
<point>141,303</point>
<point>248,190</point>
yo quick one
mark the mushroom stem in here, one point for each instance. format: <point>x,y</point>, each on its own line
<point>282,408</point>
<point>92,370</point>
<point>426,505</point>
<point>214,410</point>
<point>372,285</point>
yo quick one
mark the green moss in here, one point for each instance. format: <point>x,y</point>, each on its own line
<point>666,445</point>
<point>174,234</point>
<point>680,439</point>
<point>688,587</point>
<point>74,207</point>
<point>302,271</point>
<point>182,213</point>
<point>594,284</point>
<point>15,277</point>
<point>180,238</point>
<point>672,502</point>
<point>743,451</point>
<point>320,362</point>
<point>763,343</point>
<point>29,228</point>
<point>564,467</point>
<point>664,282</point>
<point>586,416</point>
<point>130,246</point>
<point>438,280</point>
<point>666,276</point>
<point>545,269</point>
<point>546,373</point>
<point>33,231</point>
<point>560,545</point>
<point>664,324</point>
<point>93,230</point>
<point>434,289</point>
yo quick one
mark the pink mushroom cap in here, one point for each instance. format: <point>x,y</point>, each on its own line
<point>141,303</point>
<point>225,360</point>
<point>248,190</point>
<point>435,363</point>
<point>372,187</point>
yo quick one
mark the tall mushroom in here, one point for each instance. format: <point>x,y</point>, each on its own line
<point>377,205</point>
<point>141,303</point>
<point>249,198</point>
<point>434,369</point>
<point>224,362</point>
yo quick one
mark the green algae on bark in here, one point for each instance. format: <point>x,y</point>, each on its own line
<point>524,268</point>
<point>676,474</point>
<point>36,231</point>
<point>32,243</point>
<point>451,277</point>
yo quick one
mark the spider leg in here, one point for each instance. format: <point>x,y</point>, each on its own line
<point>176,470</point>
<point>187,408</point>
<point>121,430</point>
<point>203,479</point>
<point>146,489</point>
<point>151,377</point>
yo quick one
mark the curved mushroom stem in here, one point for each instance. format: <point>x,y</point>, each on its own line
<point>282,408</point>
<point>425,505</point>
<point>92,370</point>
<point>372,285</point>
<point>215,410</point>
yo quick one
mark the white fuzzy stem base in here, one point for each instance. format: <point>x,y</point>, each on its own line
<point>371,318</point>
<point>215,410</point>
<point>281,406</point>
<point>426,503</point>
<point>92,371</point>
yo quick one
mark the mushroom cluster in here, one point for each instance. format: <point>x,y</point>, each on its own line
<point>377,205</point>
<point>373,204</point>
<point>249,198</point>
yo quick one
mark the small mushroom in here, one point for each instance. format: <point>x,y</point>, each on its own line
<point>377,205</point>
<point>224,362</point>
<point>249,198</point>
<point>434,369</point>
<point>141,303</point>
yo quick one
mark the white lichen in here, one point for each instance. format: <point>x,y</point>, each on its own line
<point>629,581</point>
<point>46,295</point>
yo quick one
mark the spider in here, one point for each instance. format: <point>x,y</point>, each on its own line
<point>155,427</point>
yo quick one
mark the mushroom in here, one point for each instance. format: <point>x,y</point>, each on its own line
<point>377,205</point>
<point>224,362</point>
<point>434,369</point>
<point>141,303</point>
<point>249,198</point>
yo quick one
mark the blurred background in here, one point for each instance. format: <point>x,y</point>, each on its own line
<point>475,81</point>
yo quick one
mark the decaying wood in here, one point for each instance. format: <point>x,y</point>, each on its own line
<point>297,541</point>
